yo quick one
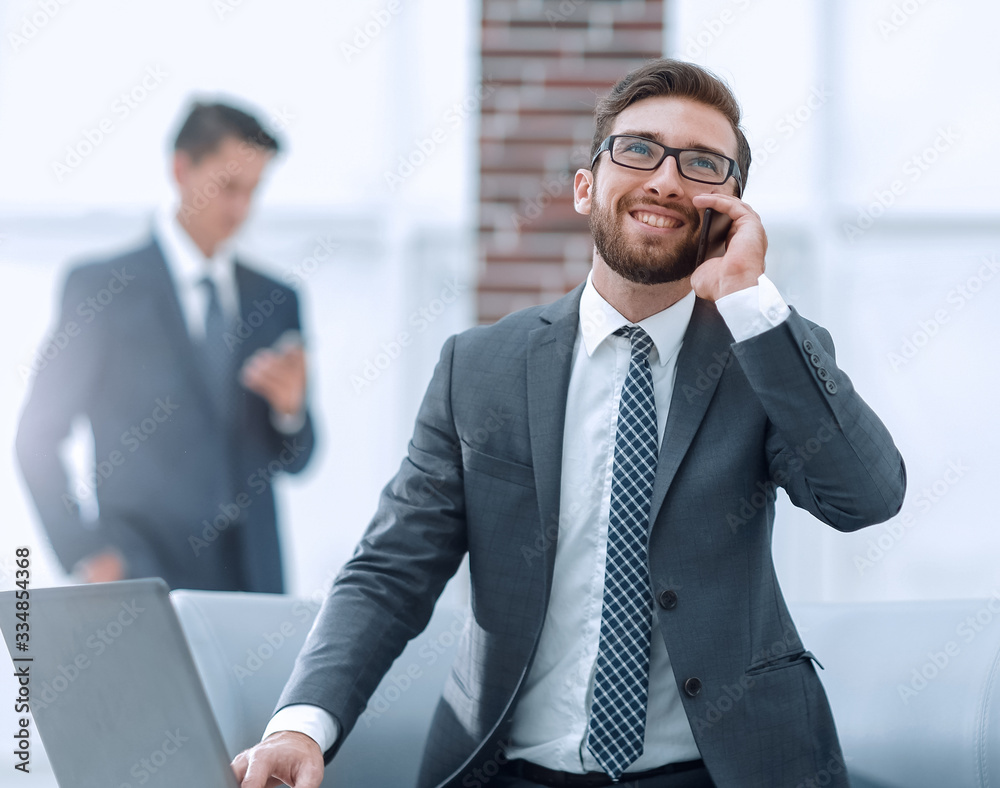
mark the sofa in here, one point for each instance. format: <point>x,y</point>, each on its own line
<point>913,685</point>
<point>244,646</point>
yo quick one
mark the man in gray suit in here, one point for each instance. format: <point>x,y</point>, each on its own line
<point>601,461</point>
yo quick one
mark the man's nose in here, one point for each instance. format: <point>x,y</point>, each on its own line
<point>666,180</point>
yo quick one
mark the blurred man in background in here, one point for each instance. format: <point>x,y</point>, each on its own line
<point>190,369</point>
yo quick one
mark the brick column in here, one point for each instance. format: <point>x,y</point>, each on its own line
<point>548,61</point>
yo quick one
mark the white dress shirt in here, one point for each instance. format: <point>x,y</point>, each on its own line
<point>550,720</point>
<point>188,267</point>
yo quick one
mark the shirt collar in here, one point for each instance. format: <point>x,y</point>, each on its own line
<point>599,320</point>
<point>186,262</point>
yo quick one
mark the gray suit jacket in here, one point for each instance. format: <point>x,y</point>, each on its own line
<point>482,477</point>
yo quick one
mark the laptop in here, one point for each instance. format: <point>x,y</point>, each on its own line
<point>114,692</point>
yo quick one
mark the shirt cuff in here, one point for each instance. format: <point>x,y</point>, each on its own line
<point>316,723</point>
<point>754,310</point>
<point>288,424</point>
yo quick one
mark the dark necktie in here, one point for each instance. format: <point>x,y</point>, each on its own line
<point>218,358</point>
<point>621,682</point>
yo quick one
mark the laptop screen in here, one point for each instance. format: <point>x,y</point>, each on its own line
<point>114,693</point>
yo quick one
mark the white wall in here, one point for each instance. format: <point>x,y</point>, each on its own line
<point>873,233</point>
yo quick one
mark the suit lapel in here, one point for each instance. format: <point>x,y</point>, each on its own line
<point>706,348</point>
<point>550,358</point>
<point>249,289</point>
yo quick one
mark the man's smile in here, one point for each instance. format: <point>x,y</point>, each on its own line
<point>657,220</point>
<point>655,217</point>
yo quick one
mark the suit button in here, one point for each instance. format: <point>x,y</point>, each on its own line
<point>815,360</point>
<point>831,387</point>
<point>808,346</point>
<point>668,600</point>
<point>692,687</point>
<point>822,374</point>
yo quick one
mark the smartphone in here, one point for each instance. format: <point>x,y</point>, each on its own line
<point>287,341</point>
<point>715,228</point>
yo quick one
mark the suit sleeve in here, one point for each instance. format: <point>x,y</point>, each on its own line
<point>385,594</point>
<point>825,445</point>
<point>62,389</point>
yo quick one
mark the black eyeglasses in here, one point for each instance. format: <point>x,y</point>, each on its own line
<point>639,153</point>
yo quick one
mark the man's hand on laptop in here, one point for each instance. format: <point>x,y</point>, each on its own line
<point>283,758</point>
<point>103,567</point>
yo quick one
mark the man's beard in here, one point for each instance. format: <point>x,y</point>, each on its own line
<point>645,261</point>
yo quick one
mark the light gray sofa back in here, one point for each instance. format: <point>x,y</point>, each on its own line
<point>913,685</point>
<point>244,646</point>
<point>914,690</point>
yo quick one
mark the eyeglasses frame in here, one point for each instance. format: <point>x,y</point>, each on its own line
<point>734,167</point>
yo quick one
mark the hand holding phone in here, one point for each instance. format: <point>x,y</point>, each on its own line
<point>289,340</point>
<point>278,373</point>
<point>733,239</point>
<point>715,228</point>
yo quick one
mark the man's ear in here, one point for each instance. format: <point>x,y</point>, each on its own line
<point>182,166</point>
<point>583,185</point>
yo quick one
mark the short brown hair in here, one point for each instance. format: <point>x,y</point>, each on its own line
<point>666,77</point>
<point>207,125</point>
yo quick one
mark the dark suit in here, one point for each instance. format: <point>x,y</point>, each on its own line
<point>482,476</point>
<point>167,502</point>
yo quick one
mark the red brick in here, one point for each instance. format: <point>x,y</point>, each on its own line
<point>539,97</point>
<point>492,305</point>
<point>572,246</point>
<point>554,14</point>
<point>514,155</point>
<point>544,42</point>
<point>528,276</point>
<point>549,62</point>
<point>590,71</point>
